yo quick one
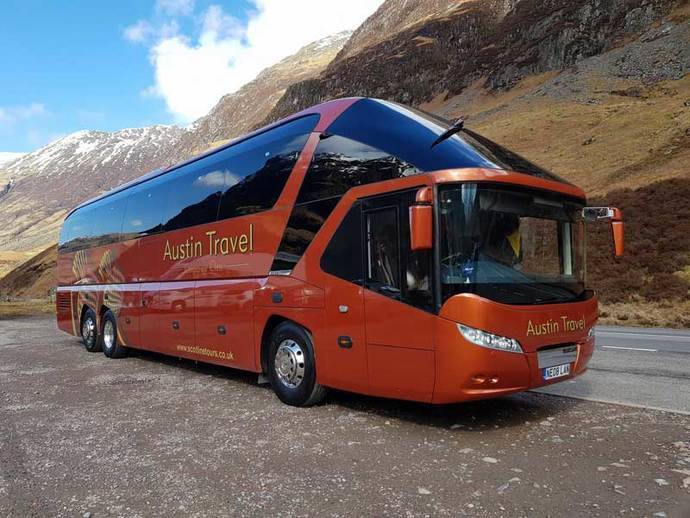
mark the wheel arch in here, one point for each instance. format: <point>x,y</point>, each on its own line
<point>84,308</point>
<point>102,311</point>
<point>272,323</point>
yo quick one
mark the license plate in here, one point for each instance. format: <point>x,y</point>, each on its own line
<point>556,371</point>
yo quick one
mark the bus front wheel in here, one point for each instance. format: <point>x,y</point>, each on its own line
<point>292,366</point>
<point>109,339</point>
<point>89,331</point>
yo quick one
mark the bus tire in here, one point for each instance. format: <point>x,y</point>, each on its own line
<point>110,342</point>
<point>292,366</point>
<point>89,331</point>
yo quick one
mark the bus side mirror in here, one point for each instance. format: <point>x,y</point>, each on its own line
<point>615,216</point>
<point>422,221</point>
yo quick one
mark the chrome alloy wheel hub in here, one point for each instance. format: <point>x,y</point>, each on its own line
<point>289,363</point>
<point>108,334</point>
<point>88,330</point>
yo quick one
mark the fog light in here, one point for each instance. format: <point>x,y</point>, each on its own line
<point>488,340</point>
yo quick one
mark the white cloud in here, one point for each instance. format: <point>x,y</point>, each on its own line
<point>215,22</point>
<point>175,7</point>
<point>10,115</point>
<point>192,74</point>
<point>138,32</point>
<point>143,32</point>
<point>220,179</point>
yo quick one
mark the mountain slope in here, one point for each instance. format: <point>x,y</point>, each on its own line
<point>620,119</point>
<point>45,184</point>
<point>6,158</point>
<point>33,279</point>
<point>396,16</point>
<point>446,54</point>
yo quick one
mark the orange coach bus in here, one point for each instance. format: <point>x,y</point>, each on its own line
<point>359,245</point>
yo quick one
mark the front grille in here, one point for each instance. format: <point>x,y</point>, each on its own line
<point>557,346</point>
<point>553,355</point>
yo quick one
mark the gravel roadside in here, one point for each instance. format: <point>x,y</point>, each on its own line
<point>149,435</point>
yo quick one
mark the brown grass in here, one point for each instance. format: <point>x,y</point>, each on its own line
<point>650,284</point>
<point>10,259</point>
<point>33,279</point>
<point>23,308</point>
<point>616,142</point>
<point>645,313</point>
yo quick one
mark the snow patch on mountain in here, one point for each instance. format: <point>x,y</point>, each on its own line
<point>85,152</point>
<point>7,157</point>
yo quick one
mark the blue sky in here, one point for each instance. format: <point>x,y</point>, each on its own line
<point>80,64</point>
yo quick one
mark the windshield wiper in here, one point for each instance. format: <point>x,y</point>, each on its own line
<point>455,128</point>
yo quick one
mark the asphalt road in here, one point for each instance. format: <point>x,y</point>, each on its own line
<point>82,435</point>
<point>648,368</point>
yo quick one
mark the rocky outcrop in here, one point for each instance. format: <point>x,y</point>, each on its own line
<point>6,188</point>
<point>500,40</point>
<point>395,16</point>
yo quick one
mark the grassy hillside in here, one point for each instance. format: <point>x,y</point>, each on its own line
<point>33,279</point>
<point>650,285</point>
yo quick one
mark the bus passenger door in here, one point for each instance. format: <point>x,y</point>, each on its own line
<point>342,342</point>
<point>224,321</point>
<point>344,347</point>
<point>398,302</point>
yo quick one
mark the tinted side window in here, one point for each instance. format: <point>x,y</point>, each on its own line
<point>305,221</point>
<point>143,214</point>
<point>341,163</point>
<point>258,168</point>
<point>338,165</point>
<point>245,178</point>
<point>382,258</point>
<point>108,215</point>
<point>75,231</point>
<point>193,195</point>
<point>343,255</point>
<point>392,267</point>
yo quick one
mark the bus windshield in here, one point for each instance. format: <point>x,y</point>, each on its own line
<point>510,245</point>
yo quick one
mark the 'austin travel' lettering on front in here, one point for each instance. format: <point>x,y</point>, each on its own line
<point>212,245</point>
<point>554,326</point>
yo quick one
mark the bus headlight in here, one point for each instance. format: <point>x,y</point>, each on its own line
<point>590,333</point>
<point>488,340</point>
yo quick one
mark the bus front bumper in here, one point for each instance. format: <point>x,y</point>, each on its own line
<point>465,371</point>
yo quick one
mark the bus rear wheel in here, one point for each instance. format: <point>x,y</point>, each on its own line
<point>89,331</point>
<point>109,339</point>
<point>292,366</point>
